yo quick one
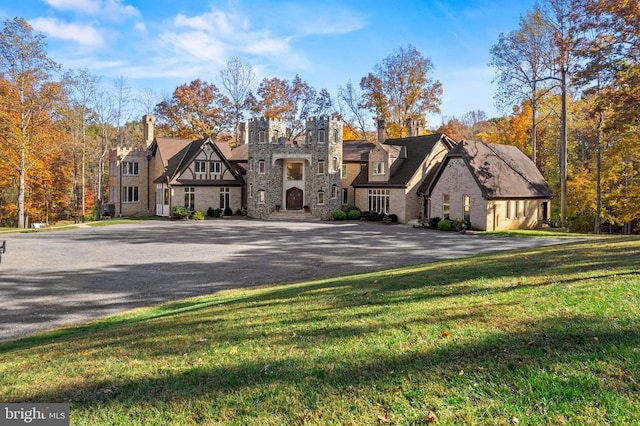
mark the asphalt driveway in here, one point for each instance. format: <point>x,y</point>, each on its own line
<point>50,279</point>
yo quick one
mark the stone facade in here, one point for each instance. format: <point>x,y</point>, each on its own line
<point>291,175</point>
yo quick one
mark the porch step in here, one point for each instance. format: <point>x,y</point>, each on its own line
<point>292,216</point>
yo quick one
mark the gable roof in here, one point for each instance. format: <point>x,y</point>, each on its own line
<point>409,154</point>
<point>501,171</point>
<point>356,150</point>
<point>182,158</point>
<point>167,148</point>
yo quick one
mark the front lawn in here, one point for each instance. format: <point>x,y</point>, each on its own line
<point>549,336</point>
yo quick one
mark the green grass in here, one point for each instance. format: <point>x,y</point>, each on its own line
<point>538,233</point>
<point>549,336</point>
<point>118,221</point>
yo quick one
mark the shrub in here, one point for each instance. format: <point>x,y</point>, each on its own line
<point>366,215</point>
<point>393,218</point>
<point>445,225</point>
<point>198,215</point>
<point>211,212</point>
<point>339,215</point>
<point>228,211</point>
<point>354,214</point>
<point>433,222</point>
<point>241,212</point>
<point>180,212</point>
<point>375,216</point>
<point>458,225</point>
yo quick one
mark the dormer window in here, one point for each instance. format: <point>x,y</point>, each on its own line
<point>378,167</point>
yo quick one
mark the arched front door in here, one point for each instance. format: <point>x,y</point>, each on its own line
<point>294,199</point>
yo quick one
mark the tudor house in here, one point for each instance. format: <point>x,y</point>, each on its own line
<point>415,177</point>
<point>171,172</point>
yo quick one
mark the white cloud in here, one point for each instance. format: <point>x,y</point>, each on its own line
<point>85,6</point>
<point>140,27</point>
<point>79,33</point>
<point>108,9</point>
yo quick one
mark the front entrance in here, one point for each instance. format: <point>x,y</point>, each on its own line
<point>294,199</point>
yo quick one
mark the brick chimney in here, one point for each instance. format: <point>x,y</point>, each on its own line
<point>381,130</point>
<point>147,129</point>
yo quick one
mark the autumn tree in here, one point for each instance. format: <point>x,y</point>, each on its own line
<point>81,88</point>
<point>524,66</point>
<point>293,101</point>
<point>195,110</point>
<point>237,78</point>
<point>400,88</point>
<point>351,110</point>
<point>27,103</point>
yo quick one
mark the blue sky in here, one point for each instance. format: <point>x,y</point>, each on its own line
<point>160,44</point>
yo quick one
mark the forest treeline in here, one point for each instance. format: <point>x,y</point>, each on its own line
<point>567,79</point>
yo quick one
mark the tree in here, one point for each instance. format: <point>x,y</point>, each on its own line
<point>195,110</point>
<point>293,101</point>
<point>28,102</point>
<point>561,17</point>
<point>237,78</point>
<point>81,89</point>
<point>351,110</point>
<point>400,87</point>
<point>524,66</point>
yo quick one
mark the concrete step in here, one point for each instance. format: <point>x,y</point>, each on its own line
<point>292,216</point>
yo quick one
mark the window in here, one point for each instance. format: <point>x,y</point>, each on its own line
<point>343,171</point>
<point>261,196</point>
<point>250,190</point>
<point>520,208</point>
<point>345,196</point>
<point>321,134</point>
<point>262,136</point>
<point>511,207</point>
<point>225,193</point>
<point>261,167</point>
<point>334,164</point>
<point>129,194</point>
<point>215,168</point>
<point>200,167</point>
<point>294,171</point>
<point>130,168</point>
<point>334,191</point>
<point>112,193</point>
<point>321,167</point>
<point>335,135</point>
<point>466,207</point>
<point>276,136</point>
<point>446,206</point>
<point>309,135</point>
<point>379,200</point>
<point>190,197</point>
<point>250,164</point>
<point>320,198</point>
<point>378,167</point>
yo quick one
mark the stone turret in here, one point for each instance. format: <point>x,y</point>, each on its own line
<point>414,126</point>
